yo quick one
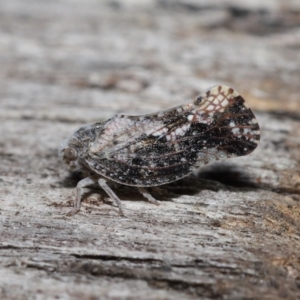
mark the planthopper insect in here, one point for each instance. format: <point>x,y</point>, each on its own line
<point>155,149</point>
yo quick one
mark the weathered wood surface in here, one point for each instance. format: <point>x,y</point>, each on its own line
<point>230,232</point>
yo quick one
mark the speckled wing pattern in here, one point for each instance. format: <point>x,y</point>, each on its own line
<point>159,148</point>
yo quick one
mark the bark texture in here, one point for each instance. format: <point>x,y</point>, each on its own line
<point>229,232</point>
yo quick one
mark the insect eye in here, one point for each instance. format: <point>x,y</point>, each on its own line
<point>70,154</point>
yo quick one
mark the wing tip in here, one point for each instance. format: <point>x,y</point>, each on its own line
<point>222,89</point>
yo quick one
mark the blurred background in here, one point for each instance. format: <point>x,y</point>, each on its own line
<point>80,61</point>
<point>230,233</point>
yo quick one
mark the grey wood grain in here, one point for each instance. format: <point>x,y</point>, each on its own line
<point>229,232</point>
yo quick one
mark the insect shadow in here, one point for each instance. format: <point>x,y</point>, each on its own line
<point>229,175</point>
<point>215,177</point>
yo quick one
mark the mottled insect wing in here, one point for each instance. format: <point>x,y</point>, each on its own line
<point>159,148</point>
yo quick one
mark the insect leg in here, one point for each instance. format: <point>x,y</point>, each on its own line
<point>79,192</point>
<point>111,194</point>
<point>147,195</point>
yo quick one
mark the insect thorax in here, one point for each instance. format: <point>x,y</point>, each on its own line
<point>74,149</point>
